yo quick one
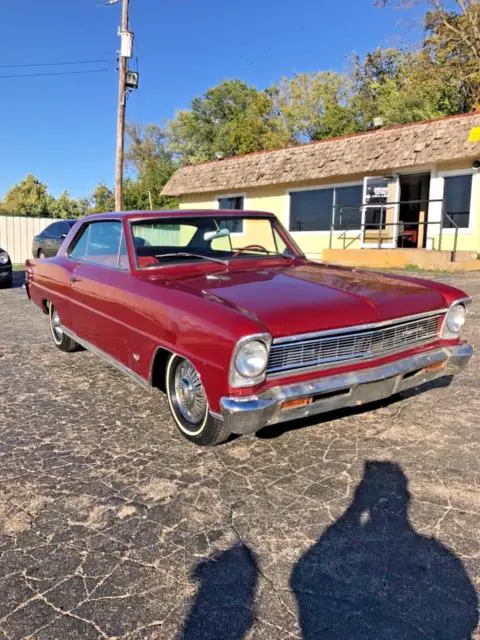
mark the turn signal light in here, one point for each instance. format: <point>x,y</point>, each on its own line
<point>294,404</point>
<point>436,366</point>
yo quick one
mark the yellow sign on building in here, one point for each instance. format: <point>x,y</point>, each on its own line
<point>474,135</point>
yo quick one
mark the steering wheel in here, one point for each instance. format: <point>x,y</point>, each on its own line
<point>259,247</point>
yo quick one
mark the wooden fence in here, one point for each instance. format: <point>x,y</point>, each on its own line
<point>17,233</point>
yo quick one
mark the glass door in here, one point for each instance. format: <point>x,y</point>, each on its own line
<point>380,212</point>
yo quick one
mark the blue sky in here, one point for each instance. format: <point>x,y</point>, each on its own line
<point>62,128</point>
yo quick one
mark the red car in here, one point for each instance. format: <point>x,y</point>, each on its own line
<point>223,312</point>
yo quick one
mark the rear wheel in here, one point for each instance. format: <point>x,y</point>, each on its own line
<point>189,404</point>
<point>61,340</point>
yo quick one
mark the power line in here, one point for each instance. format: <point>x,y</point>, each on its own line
<point>54,73</point>
<point>50,64</point>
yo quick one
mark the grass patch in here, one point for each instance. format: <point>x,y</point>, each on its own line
<point>414,268</point>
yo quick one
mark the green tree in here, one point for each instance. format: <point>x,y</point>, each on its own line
<point>153,166</point>
<point>314,106</point>
<point>451,49</point>
<point>102,199</point>
<point>400,87</point>
<point>230,119</point>
<point>66,207</point>
<point>29,197</point>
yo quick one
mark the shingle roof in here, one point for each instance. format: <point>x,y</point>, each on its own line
<point>409,145</point>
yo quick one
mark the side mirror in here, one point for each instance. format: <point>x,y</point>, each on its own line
<point>63,236</point>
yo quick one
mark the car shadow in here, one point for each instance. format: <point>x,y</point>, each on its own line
<point>276,430</point>
<point>371,575</point>
<point>224,605</point>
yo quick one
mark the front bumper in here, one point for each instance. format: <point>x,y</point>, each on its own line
<point>251,413</point>
<point>5,273</point>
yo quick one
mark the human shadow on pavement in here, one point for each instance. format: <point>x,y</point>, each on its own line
<point>372,576</point>
<point>224,604</point>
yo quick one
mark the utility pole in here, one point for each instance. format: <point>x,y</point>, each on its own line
<point>122,104</point>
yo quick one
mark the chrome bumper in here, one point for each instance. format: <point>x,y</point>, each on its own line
<point>251,413</point>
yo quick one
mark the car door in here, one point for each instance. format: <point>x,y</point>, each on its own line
<point>50,244</point>
<point>98,282</point>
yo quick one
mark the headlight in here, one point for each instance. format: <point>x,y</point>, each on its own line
<point>4,257</point>
<point>454,321</point>
<point>250,361</point>
<point>456,318</point>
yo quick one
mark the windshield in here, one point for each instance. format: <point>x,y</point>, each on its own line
<point>218,239</point>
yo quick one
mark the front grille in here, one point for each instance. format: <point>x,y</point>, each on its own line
<point>356,345</point>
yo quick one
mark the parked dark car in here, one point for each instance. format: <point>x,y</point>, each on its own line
<point>6,276</point>
<point>48,242</point>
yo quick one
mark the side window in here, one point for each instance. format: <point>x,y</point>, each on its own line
<point>80,244</point>
<point>49,232</point>
<point>123,254</point>
<point>99,243</point>
<point>63,228</point>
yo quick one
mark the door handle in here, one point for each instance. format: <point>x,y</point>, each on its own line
<point>75,279</point>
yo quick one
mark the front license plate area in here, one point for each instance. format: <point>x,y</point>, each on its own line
<point>371,391</point>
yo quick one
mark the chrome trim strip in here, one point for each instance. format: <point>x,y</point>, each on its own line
<point>356,327</point>
<point>251,413</point>
<point>115,363</point>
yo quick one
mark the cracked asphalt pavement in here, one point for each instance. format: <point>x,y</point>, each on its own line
<point>363,524</point>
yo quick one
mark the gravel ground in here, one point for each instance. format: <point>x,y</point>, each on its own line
<point>363,524</point>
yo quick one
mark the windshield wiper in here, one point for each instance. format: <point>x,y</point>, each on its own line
<point>191,255</point>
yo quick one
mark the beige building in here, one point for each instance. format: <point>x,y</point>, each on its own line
<point>414,186</point>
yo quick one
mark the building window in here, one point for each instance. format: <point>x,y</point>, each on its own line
<point>456,199</point>
<point>348,207</point>
<point>235,203</point>
<point>311,210</point>
<point>315,209</point>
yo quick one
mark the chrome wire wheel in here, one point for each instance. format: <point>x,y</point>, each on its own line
<point>56,325</point>
<point>189,394</point>
<point>186,396</point>
<point>189,404</point>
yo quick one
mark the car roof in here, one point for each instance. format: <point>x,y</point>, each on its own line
<point>179,213</point>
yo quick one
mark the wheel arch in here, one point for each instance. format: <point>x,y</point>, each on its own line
<point>158,368</point>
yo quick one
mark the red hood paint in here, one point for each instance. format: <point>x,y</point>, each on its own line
<point>309,297</point>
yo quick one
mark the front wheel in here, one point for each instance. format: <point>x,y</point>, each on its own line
<point>61,340</point>
<point>189,404</point>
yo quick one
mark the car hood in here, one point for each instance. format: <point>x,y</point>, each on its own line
<point>310,297</point>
